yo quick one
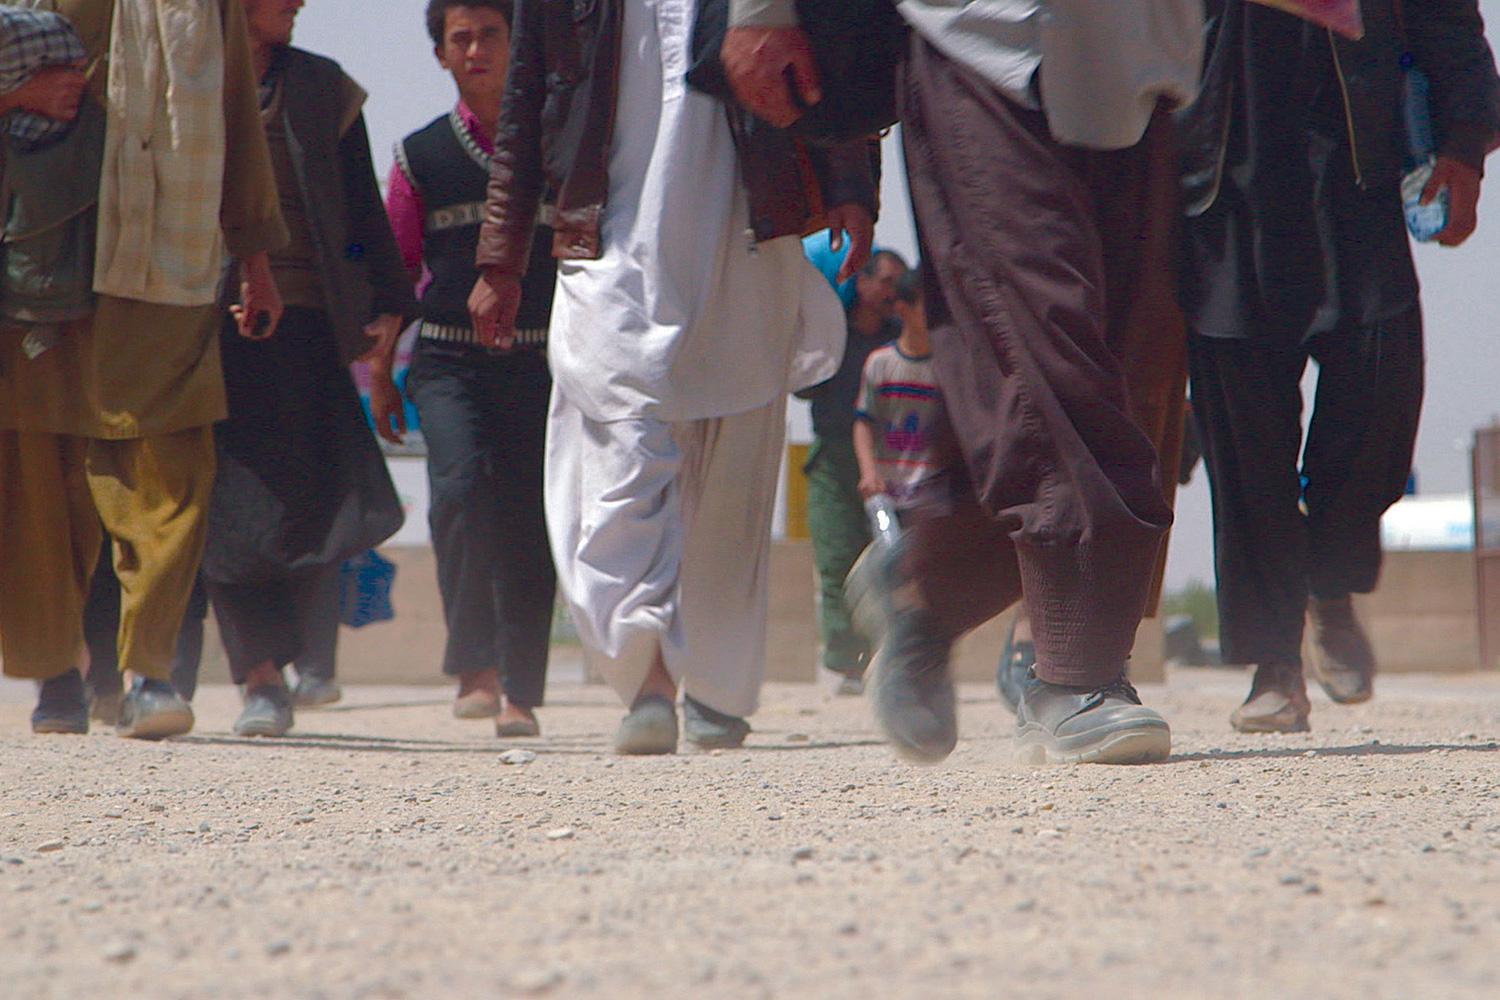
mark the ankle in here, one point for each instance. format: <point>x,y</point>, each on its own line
<point>479,680</point>
<point>263,675</point>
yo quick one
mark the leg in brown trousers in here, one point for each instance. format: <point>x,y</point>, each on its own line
<point>1049,283</point>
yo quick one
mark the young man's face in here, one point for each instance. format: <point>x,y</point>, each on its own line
<point>476,50</point>
<point>272,21</point>
<point>877,291</point>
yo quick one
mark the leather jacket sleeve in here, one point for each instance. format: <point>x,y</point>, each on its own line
<point>517,179</point>
<point>849,173</point>
<point>1447,39</point>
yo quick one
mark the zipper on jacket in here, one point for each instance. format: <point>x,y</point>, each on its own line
<point>1338,71</point>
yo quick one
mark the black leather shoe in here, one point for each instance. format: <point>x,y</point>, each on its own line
<point>1016,661</point>
<point>1103,725</point>
<point>267,712</point>
<point>710,729</point>
<point>153,710</point>
<point>1343,663</point>
<point>61,707</point>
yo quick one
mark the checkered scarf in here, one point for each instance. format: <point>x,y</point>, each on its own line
<point>31,40</point>
<point>159,235</point>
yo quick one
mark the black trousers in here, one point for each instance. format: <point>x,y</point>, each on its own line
<point>1275,540</point>
<point>290,619</point>
<point>101,632</point>
<point>484,417</point>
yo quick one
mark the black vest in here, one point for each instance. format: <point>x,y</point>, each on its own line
<point>452,175</point>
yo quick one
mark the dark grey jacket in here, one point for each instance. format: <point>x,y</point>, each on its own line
<point>1446,39</point>
<point>358,260</point>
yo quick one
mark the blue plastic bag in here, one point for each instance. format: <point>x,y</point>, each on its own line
<point>365,584</point>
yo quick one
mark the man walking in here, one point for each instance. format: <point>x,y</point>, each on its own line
<point>484,412</point>
<point>108,414</point>
<point>685,313</point>
<point>1296,250</point>
<point>1040,172</point>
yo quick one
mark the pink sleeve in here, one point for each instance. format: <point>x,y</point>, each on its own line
<point>404,206</point>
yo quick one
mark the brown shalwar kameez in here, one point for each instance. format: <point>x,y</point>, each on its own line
<point>1049,281</point>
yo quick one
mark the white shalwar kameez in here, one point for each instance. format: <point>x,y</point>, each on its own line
<point>671,356</point>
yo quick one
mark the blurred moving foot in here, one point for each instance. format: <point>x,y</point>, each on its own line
<point>311,692</point>
<point>1277,702</point>
<point>710,729</point>
<point>649,728</point>
<point>516,720</point>
<point>842,684</point>
<point>1102,725</point>
<point>61,708</point>
<point>153,710</point>
<point>478,695</point>
<point>1343,663</point>
<point>911,689</point>
<point>267,712</point>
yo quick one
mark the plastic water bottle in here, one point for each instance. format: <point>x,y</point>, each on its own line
<point>885,523</point>
<point>1423,221</point>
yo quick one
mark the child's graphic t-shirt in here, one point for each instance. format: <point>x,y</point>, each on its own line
<point>900,398</point>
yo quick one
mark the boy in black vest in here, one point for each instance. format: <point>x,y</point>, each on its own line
<point>484,412</point>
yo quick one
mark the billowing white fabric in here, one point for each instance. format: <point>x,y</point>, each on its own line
<point>662,536</point>
<point>683,316</point>
<point>161,188</point>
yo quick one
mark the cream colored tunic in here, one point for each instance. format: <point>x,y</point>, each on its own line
<point>135,369</point>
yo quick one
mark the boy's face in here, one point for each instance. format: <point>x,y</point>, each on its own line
<point>913,315</point>
<point>877,291</point>
<point>476,50</point>
<point>272,21</point>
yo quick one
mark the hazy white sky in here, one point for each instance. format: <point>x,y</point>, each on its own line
<point>384,45</point>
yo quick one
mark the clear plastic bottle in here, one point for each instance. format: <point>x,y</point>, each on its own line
<point>1424,222</point>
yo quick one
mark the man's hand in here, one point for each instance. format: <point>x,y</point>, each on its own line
<point>870,486</point>
<point>259,311</point>
<point>383,334</point>
<point>859,225</point>
<point>386,405</point>
<point>493,305</point>
<point>53,91</point>
<point>764,65</point>
<point>1463,183</point>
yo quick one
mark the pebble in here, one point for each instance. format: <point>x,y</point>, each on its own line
<point>1049,835</point>
<point>798,738</point>
<point>517,757</point>
<point>113,814</point>
<point>280,946</point>
<point>802,854</point>
<point>119,951</point>
<point>532,984</point>
<point>92,906</point>
<point>561,833</point>
<point>48,846</point>
<point>849,929</point>
<point>1292,879</point>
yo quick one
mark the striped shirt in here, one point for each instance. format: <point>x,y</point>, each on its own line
<point>899,397</point>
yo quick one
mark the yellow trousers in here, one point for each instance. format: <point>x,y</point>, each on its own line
<point>151,494</point>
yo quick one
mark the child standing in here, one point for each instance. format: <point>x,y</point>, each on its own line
<point>899,408</point>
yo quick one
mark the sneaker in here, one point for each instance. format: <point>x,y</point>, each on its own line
<point>61,706</point>
<point>153,710</point>
<point>267,712</point>
<point>1101,725</point>
<point>710,729</point>
<point>649,728</point>
<point>312,692</point>
<point>1016,661</point>
<point>1277,702</point>
<point>1343,663</point>
<point>478,695</point>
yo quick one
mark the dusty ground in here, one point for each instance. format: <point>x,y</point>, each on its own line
<point>386,851</point>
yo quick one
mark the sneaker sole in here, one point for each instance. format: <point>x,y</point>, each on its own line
<point>317,702</point>
<point>1264,727</point>
<point>261,731</point>
<point>650,740</point>
<point>159,726</point>
<point>1128,745</point>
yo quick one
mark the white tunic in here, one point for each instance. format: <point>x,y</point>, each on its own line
<point>683,317</point>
